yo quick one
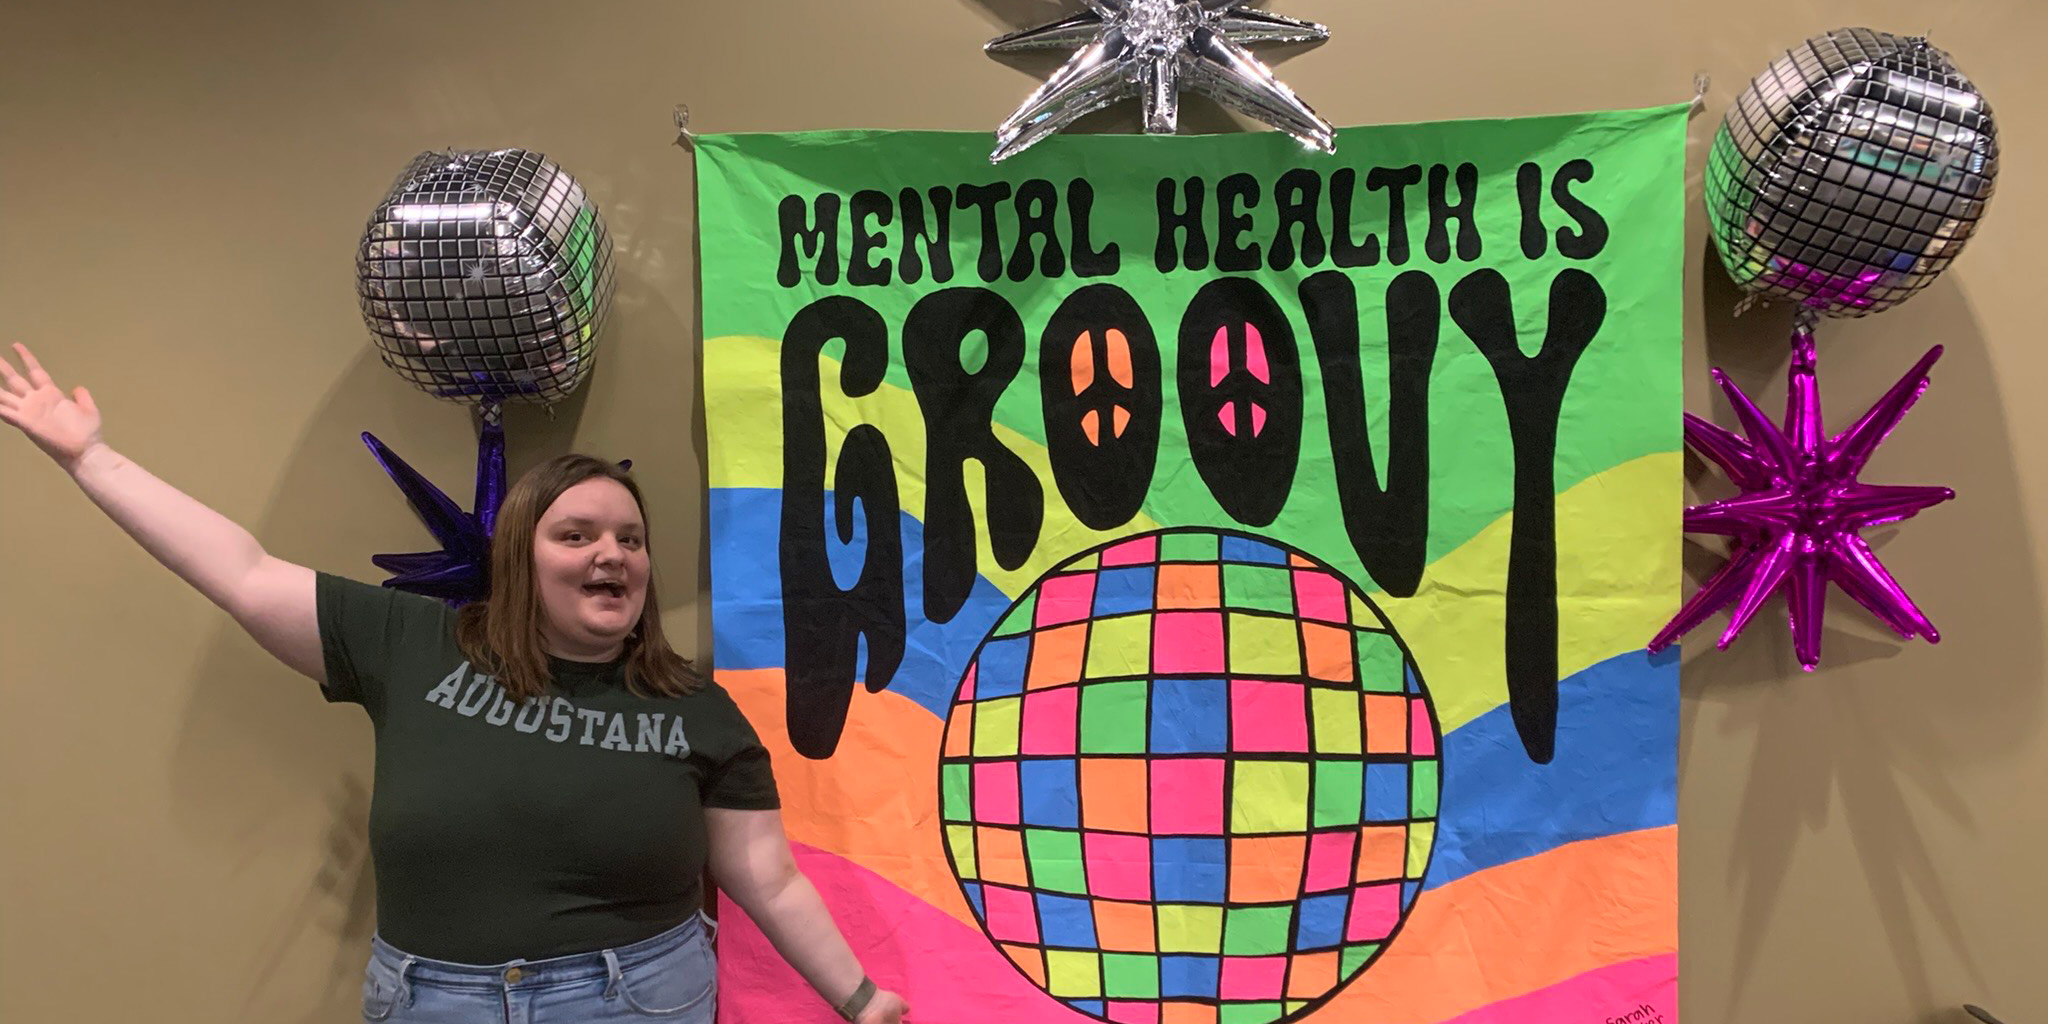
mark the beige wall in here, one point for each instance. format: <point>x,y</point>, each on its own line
<point>181,188</point>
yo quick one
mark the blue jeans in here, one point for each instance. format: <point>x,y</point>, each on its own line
<point>670,977</point>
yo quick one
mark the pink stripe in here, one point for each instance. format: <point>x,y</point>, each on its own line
<point>946,969</point>
<point>1633,992</point>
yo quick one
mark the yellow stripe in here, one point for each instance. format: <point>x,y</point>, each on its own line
<point>1617,571</point>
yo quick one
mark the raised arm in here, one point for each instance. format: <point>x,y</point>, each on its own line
<point>271,599</point>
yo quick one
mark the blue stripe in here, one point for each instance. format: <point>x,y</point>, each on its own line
<point>1616,770</point>
<point>746,526</point>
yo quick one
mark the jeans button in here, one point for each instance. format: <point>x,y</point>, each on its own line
<point>512,976</point>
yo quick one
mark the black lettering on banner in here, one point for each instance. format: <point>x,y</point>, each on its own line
<point>1529,192</point>
<point>822,625</point>
<point>1175,220</point>
<point>1088,260</point>
<point>1442,212</point>
<point>959,414</point>
<point>862,269</point>
<point>1343,251</point>
<point>1591,237</point>
<point>938,248</point>
<point>1533,387</point>
<point>1239,378</point>
<point>1388,527</point>
<point>1037,206</point>
<point>1233,254</point>
<point>1299,196</point>
<point>988,198</point>
<point>820,239</point>
<point>1395,180</point>
<point>1099,382</point>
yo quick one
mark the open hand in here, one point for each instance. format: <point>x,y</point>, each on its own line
<point>885,1008</point>
<point>65,427</point>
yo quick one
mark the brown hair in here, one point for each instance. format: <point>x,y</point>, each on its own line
<point>501,635</point>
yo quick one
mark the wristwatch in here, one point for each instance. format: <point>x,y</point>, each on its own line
<point>858,1001</point>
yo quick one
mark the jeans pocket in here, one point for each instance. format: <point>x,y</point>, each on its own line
<point>383,984</point>
<point>675,983</point>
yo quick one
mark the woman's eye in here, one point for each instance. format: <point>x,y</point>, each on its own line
<point>572,535</point>
<point>631,542</point>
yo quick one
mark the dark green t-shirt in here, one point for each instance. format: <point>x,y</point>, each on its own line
<point>501,831</point>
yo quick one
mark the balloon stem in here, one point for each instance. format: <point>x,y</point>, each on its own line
<point>1804,321</point>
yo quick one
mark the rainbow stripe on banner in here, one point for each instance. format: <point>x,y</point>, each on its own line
<point>1105,682</point>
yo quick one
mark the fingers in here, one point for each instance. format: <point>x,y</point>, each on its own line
<point>84,400</point>
<point>14,381</point>
<point>36,376</point>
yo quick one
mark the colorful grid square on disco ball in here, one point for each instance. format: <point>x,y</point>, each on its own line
<point>1190,716</point>
<point>1263,645</point>
<point>1051,792</point>
<point>1192,586</point>
<point>1319,596</point>
<point>1260,588</point>
<point>1199,546</point>
<point>1130,975</point>
<point>1119,865</point>
<point>1120,647</point>
<point>1053,857</point>
<point>1266,869</point>
<point>1052,723</point>
<point>1269,717</point>
<point>1143,1011</point>
<point>1125,590</point>
<point>1114,717</point>
<point>1187,797</point>
<point>999,854</point>
<point>999,668</point>
<point>997,724</point>
<point>1136,551</point>
<point>1249,551</point>
<point>1189,928</point>
<point>1126,927</point>
<point>1073,974</point>
<point>1189,869</point>
<point>1065,597</point>
<point>1057,655</point>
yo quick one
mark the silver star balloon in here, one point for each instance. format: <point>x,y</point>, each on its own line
<point>1156,48</point>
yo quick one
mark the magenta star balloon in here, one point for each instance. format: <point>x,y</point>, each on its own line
<point>1795,523</point>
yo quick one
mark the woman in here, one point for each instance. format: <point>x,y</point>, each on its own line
<point>551,780</point>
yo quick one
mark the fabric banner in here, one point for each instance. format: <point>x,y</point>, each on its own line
<point>1193,579</point>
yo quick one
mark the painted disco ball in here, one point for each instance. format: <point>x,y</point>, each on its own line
<point>1191,774</point>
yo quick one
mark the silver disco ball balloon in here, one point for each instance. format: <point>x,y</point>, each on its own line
<point>1849,173</point>
<point>485,275</point>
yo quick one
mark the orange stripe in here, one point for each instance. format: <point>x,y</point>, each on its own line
<point>876,801</point>
<point>1522,926</point>
<point>1501,933</point>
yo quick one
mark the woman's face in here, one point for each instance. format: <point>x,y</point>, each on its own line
<point>590,565</point>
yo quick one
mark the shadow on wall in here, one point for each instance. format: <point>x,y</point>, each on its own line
<point>264,768</point>
<point>1869,725</point>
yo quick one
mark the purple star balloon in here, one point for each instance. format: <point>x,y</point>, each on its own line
<point>1795,523</point>
<point>461,571</point>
